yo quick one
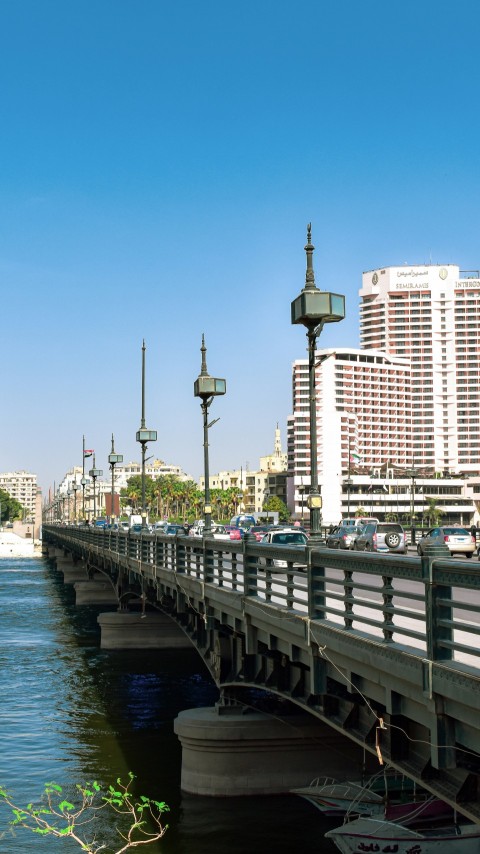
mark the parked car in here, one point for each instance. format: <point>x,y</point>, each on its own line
<point>124,526</point>
<point>381,537</point>
<point>288,538</point>
<point>458,540</point>
<point>343,537</point>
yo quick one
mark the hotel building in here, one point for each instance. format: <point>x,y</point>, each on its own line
<point>408,398</point>
<point>430,315</point>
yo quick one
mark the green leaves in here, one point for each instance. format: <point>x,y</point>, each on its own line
<point>55,816</point>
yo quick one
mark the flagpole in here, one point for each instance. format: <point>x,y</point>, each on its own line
<point>83,479</point>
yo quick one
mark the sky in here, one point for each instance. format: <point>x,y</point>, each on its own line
<point>160,162</point>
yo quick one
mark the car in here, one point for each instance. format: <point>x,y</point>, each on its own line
<point>357,522</point>
<point>136,529</point>
<point>171,530</point>
<point>343,537</point>
<point>288,538</point>
<point>381,537</point>
<point>124,526</point>
<point>235,533</point>
<point>258,531</point>
<point>458,540</point>
<point>219,532</point>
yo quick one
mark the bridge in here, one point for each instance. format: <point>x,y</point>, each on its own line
<point>381,648</point>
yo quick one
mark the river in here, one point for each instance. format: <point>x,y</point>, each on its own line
<point>71,712</point>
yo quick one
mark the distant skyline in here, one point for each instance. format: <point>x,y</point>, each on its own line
<point>160,165</point>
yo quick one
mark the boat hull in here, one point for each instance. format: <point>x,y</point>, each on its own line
<point>369,834</point>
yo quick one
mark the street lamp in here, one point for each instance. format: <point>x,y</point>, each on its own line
<point>69,494</point>
<point>83,483</point>
<point>143,437</point>
<point>313,308</point>
<point>113,459</point>
<point>206,388</point>
<point>412,473</point>
<point>266,496</point>
<point>75,488</point>
<point>348,483</point>
<point>94,473</point>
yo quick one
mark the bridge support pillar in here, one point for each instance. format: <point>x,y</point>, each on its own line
<point>231,754</point>
<point>132,630</point>
<point>99,592</point>
<point>71,573</point>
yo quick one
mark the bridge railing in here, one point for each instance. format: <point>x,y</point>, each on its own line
<point>429,605</point>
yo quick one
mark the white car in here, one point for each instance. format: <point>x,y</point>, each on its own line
<point>288,538</point>
<point>458,540</point>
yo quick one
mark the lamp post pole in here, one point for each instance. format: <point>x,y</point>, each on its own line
<point>113,459</point>
<point>412,473</point>
<point>143,436</point>
<point>75,490</point>
<point>94,473</point>
<point>313,308</point>
<point>206,388</point>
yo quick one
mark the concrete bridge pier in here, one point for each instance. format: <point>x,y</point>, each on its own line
<point>226,753</point>
<point>135,630</point>
<point>100,591</point>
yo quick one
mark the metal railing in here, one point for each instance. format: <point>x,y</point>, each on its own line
<point>429,605</point>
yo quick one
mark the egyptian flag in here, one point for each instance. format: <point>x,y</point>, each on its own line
<point>88,453</point>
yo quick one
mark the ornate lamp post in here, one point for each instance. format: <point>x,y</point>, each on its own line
<point>75,489</point>
<point>69,498</point>
<point>412,473</point>
<point>143,437</point>
<point>113,459</point>
<point>206,388</point>
<point>313,308</point>
<point>94,473</point>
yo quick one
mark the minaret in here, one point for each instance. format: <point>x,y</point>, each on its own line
<point>278,442</point>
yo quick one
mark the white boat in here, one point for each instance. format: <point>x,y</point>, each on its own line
<point>376,835</point>
<point>335,798</point>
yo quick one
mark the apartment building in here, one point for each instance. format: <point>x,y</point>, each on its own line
<point>22,486</point>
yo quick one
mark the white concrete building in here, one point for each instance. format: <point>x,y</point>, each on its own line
<point>22,486</point>
<point>360,425</point>
<point>430,315</point>
<point>153,468</point>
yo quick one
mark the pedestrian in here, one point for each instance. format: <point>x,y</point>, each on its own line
<point>473,531</point>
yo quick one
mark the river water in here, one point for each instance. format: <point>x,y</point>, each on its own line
<point>71,712</point>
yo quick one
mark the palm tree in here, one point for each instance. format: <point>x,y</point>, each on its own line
<point>433,512</point>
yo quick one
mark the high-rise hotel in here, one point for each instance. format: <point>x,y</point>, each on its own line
<point>430,315</point>
<point>409,397</point>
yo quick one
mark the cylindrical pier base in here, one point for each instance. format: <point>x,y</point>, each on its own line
<point>95,593</point>
<point>130,630</point>
<point>231,754</point>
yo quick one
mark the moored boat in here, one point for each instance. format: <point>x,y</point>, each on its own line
<point>334,798</point>
<point>374,834</point>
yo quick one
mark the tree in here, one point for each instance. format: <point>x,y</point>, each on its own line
<point>433,513</point>
<point>10,508</point>
<point>55,816</point>
<point>274,504</point>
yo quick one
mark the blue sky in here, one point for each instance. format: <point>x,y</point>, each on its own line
<point>160,162</point>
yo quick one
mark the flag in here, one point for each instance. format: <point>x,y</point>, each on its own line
<point>355,458</point>
<point>88,453</point>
